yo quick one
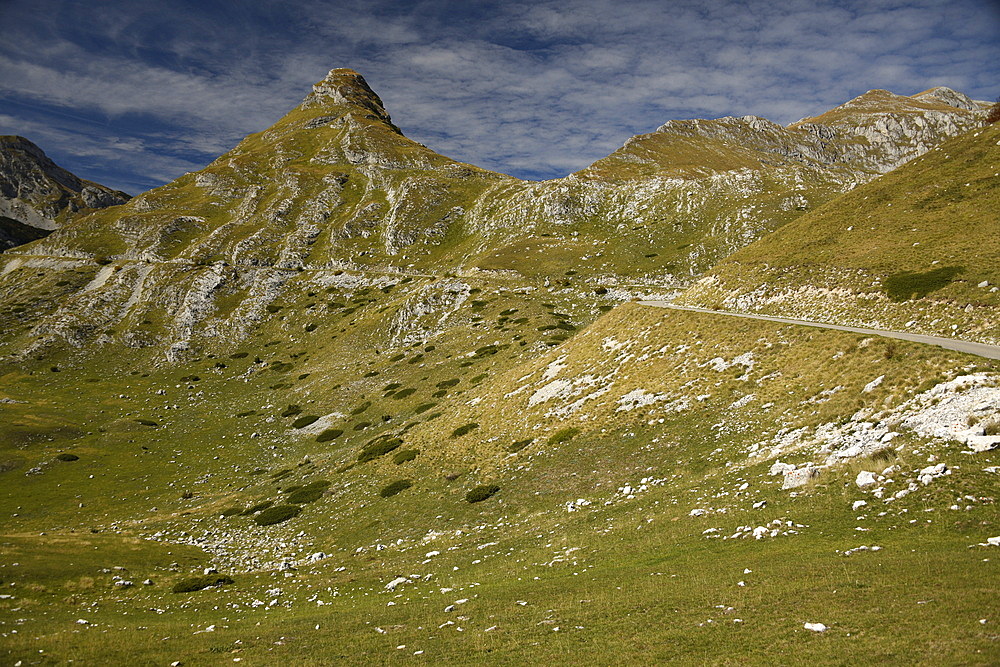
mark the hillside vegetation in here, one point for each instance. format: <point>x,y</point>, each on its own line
<point>336,398</point>
<point>917,250</point>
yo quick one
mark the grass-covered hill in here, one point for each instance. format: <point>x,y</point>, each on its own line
<point>236,423</point>
<point>918,250</point>
<point>614,494</point>
<point>334,186</point>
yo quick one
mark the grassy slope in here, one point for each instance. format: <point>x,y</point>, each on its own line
<point>833,263</point>
<point>616,577</point>
<point>165,448</point>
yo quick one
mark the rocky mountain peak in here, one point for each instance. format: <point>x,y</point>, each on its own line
<point>343,86</point>
<point>37,193</point>
<point>952,98</point>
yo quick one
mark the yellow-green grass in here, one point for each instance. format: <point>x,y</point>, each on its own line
<point>873,253</point>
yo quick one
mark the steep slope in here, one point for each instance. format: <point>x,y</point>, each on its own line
<point>394,449</point>
<point>680,199</point>
<point>917,250</point>
<point>334,186</point>
<point>37,193</point>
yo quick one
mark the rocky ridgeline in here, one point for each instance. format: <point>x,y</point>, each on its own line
<point>335,186</point>
<point>37,193</point>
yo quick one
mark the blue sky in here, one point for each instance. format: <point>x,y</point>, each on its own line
<point>133,94</point>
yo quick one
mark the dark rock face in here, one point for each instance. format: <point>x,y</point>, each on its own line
<point>37,195</point>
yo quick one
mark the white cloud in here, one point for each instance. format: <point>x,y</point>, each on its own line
<point>541,87</point>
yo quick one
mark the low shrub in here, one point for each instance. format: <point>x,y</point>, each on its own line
<point>291,411</point>
<point>916,284</point>
<point>277,514</point>
<point>259,507</point>
<point>231,511</point>
<point>361,408</point>
<point>464,430</point>
<point>395,487</point>
<point>519,445</point>
<point>67,457</point>
<point>146,422</point>
<point>377,448</point>
<point>448,384</point>
<point>883,455</point>
<point>193,584</point>
<point>403,393</point>
<point>563,434</point>
<point>423,407</point>
<point>304,421</point>
<point>329,435</point>
<point>307,494</point>
<point>992,427</point>
<point>481,493</point>
<point>404,456</point>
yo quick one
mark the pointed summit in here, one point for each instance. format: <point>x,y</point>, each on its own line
<point>343,86</point>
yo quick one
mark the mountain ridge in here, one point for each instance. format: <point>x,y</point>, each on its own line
<point>37,193</point>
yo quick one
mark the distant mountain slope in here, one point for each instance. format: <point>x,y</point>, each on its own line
<point>37,193</point>
<point>918,249</point>
<point>335,186</point>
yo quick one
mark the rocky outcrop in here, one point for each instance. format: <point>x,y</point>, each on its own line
<point>36,192</point>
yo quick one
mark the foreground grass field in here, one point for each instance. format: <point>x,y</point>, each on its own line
<point>610,539</point>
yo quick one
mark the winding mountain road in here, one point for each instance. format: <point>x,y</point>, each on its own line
<point>979,349</point>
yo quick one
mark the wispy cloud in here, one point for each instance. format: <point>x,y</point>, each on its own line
<point>536,89</point>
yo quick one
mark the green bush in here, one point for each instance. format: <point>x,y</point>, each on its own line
<point>307,494</point>
<point>481,493</point>
<point>67,457</point>
<point>916,285</point>
<point>519,445</point>
<point>378,447</point>
<point>361,408</point>
<point>231,511</point>
<point>403,393</point>
<point>883,455</point>
<point>199,583</point>
<point>304,421</point>
<point>423,407</point>
<point>448,384</point>
<point>404,456</point>
<point>562,435</point>
<point>259,507</point>
<point>329,434</point>
<point>392,489</point>
<point>464,430</point>
<point>146,422</point>
<point>277,514</point>
<point>291,411</point>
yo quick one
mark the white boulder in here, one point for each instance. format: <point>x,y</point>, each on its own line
<point>799,477</point>
<point>398,581</point>
<point>865,479</point>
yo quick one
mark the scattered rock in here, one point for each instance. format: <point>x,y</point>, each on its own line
<point>815,627</point>
<point>799,477</point>
<point>398,581</point>
<point>865,479</point>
